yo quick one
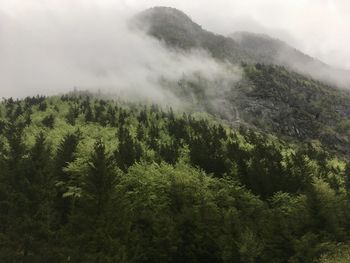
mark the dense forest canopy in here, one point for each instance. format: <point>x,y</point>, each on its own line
<point>84,179</point>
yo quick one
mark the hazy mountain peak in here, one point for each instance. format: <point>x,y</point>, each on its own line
<point>177,30</point>
<point>170,25</point>
<point>161,11</point>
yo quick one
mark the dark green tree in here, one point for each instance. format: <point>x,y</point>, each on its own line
<point>129,150</point>
<point>95,220</point>
<point>65,154</point>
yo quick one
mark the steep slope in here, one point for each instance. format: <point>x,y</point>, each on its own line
<point>273,99</point>
<point>178,31</point>
<point>293,105</point>
<point>265,49</point>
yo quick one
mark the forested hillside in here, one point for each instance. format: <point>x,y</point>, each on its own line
<point>84,179</point>
<point>276,101</point>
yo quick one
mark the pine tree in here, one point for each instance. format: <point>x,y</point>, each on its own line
<point>65,155</point>
<point>111,116</point>
<point>129,150</point>
<point>95,219</point>
<point>12,191</point>
<point>100,180</point>
<point>37,214</point>
<point>49,121</point>
<point>89,116</point>
<point>73,113</point>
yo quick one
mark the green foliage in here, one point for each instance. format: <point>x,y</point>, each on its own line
<point>91,180</point>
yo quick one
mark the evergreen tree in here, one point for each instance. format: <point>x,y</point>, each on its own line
<point>96,217</point>
<point>37,213</point>
<point>129,150</point>
<point>65,155</point>
<point>49,121</point>
<point>72,114</point>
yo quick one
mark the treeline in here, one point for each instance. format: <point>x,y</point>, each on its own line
<point>93,180</point>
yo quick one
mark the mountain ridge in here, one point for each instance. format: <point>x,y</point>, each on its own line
<point>178,30</point>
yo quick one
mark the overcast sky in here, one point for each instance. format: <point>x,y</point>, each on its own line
<point>320,28</point>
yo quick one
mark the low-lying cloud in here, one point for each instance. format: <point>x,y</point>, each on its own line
<point>51,46</point>
<point>53,51</point>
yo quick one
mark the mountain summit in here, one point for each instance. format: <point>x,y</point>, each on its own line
<point>177,30</point>
<point>170,25</point>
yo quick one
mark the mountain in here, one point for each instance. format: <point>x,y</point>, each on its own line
<point>274,94</point>
<point>178,30</point>
<point>265,49</point>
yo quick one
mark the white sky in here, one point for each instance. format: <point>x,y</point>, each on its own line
<point>320,28</point>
